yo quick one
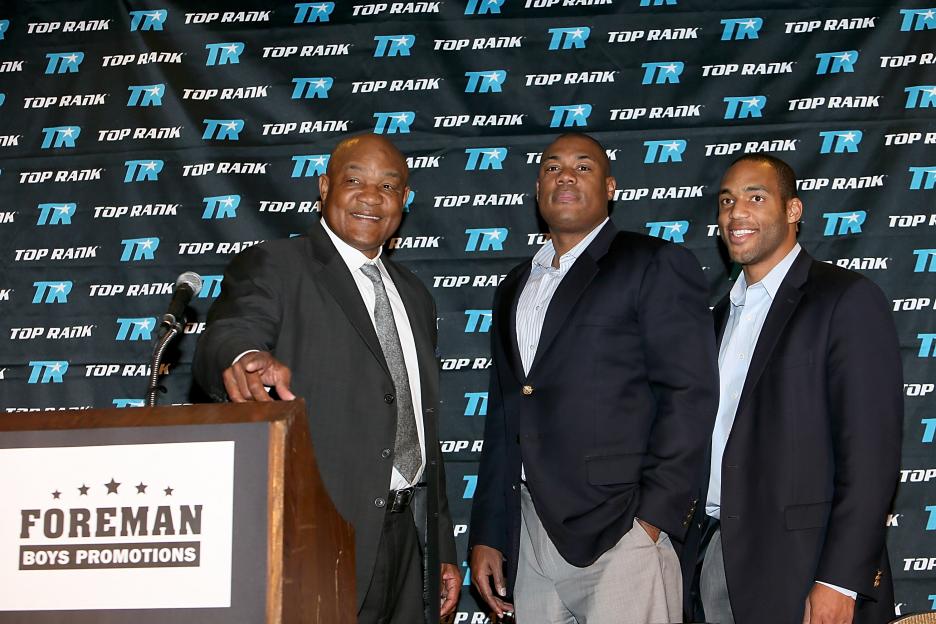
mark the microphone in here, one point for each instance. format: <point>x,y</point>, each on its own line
<point>186,286</point>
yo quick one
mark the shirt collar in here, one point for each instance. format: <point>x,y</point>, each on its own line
<point>771,282</point>
<point>544,257</point>
<point>351,256</point>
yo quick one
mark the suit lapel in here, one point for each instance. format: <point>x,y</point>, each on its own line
<point>782,308</point>
<point>721,320</point>
<point>571,288</point>
<point>340,284</point>
<point>507,319</point>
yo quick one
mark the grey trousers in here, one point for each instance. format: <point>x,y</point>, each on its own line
<point>712,584</point>
<point>636,582</point>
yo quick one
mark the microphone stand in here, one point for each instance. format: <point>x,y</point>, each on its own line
<point>164,339</point>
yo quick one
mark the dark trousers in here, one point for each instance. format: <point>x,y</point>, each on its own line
<point>396,588</point>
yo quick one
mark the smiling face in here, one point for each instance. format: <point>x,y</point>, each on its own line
<point>363,192</point>
<point>574,185</point>
<point>757,225</point>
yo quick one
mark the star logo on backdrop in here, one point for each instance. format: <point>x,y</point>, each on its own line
<point>168,491</point>
<point>112,486</point>
<point>56,494</point>
<point>83,490</point>
<point>141,489</point>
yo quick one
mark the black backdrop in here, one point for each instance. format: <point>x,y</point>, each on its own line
<point>139,139</point>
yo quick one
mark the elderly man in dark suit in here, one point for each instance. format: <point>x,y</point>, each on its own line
<point>327,318</point>
<point>602,399</point>
<point>806,443</point>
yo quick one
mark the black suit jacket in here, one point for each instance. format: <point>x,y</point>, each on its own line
<point>811,462</point>
<point>297,299</point>
<point>624,393</point>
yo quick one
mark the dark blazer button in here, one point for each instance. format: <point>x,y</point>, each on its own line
<point>379,502</point>
<point>388,398</point>
<point>385,453</point>
<point>527,390</point>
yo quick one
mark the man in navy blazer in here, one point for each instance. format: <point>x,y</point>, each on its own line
<point>602,398</point>
<point>806,444</point>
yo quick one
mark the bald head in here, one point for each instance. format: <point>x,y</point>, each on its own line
<point>352,147</point>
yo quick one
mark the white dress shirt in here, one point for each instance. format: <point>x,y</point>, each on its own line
<point>749,307</point>
<point>355,260</point>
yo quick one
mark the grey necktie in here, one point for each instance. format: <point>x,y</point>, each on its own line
<point>407,457</point>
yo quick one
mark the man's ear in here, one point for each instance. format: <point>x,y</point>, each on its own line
<point>323,187</point>
<point>794,209</point>
<point>611,184</point>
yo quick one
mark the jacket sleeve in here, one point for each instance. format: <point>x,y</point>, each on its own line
<point>679,351</point>
<point>865,399</point>
<point>246,316</point>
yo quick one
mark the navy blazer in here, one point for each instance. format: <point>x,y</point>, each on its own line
<point>810,465</point>
<point>613,419</point>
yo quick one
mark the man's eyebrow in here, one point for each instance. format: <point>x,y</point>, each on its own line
<point>579,157</point>
<point>389,173</point>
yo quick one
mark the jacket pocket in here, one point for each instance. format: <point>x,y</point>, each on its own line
<point>613,469</point>
<point>811,516</point>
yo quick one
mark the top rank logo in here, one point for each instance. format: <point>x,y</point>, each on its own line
<point>921,96</point>
<point>482,158</point>
<point>309,165</point>
<point>568,38</point>
<point>146,95</point>
<point>4,26</point>
<point>670,150</point>
<point>222,129</point>
<point>568,116</point>
<point>142,170</point>
<point>312,88</point>
<point>743,28</point>
<point>664,72</point>
<point>485,81</point>
<point>311,12</point>
<point>391,123</point>
<point>56,214</point>
<point>224,53</point>
<point>393,45</point>
<point>836,62</point>
<point>842,223</point>
<point>63,62</point>
<point>483,7</point>
<point>60,136</point>
<point>838,141</point>
<point>745,106</point>
<point>147,20</point>
<point>918,19</point>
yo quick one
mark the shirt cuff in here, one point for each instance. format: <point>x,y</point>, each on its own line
<point>243,354</point>
<point>841,590</point>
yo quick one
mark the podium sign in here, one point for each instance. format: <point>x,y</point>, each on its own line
<point>141,526</point>
<point>199,514</point>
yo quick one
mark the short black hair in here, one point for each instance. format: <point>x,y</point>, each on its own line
<point>786,177</point>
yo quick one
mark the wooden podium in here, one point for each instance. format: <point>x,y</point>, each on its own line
<point>292,555</point>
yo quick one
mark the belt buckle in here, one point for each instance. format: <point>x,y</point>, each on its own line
<point>401,499</point>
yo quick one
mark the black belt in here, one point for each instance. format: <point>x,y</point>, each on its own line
<point>399,500</point>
